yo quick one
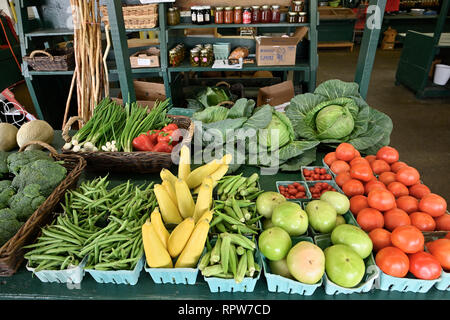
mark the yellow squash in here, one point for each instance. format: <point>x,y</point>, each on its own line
<point>155,253</point>
<point>194,247</point>
<point>196,177</point>
<point>180,236</point>
<point>204,201</point>
<point>158,225</point>
<point>168,209</point>
<point>185,202</point>
<point>165,174</point>
<point>170,190</point>
<point>208,215</point>
<point>184,167</point>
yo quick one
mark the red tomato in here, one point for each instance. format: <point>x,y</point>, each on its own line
<point>398,189</point>
<point>393,262</point>
<point>345,151</point>
<point>381,238</point>
<point>408,204</point>
<point>443,222</point>
<point>357,203</point>
<point>433,204</point>
<point>387,177</point>
<point>380,166</point>
<point>361,171</point>
<point>440,249</point>
<point>408,176</point>
<point>397,166</point>
<point>372,185</point>
<point>359,160</point>
<point>409,239</point>
<point>423,221</point>
<point>342,178</point>
<point>388,154</point>
<point>353,187</point>
<point>395,218</point>
<point>424,265</point>
<point>419,190</point>
<point>369,219</point>
<point>371,158</point>
<point>339,166</point>
<point>357,153</point>
<point>381,199</point>
<point>330,158</point>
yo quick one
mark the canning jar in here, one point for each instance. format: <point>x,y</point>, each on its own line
<point>172,18</point>
<point>298,6</point>
<point>292,17</point>
<point>201,15</point>
<point>302,18</point>
<point>207,14</point>
<point>247,16</point>
<point>195,57</point>
<point>266,15</point>
<point>194,14</point>
<point>228,16</point>
<point>275,14</point>
<point>256,14</point>
<point>218,18</point>
<point>205,58</point>
<point>237,15</point>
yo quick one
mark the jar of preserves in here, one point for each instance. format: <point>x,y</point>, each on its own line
<point>207,14</point>
<point>228,16</point>
<point>302,18</point>
<point>276,14</point>
<point>298,6</point>
<point>172,17</point>
<point>256,14</point>
<point>266,14</point>
<point>195,57</point>
<point>194,14</point>
<point>218,17</point>
<point>205,58</point>
<point>293,17</point>
<point>237,15</point>
<point>247,16</point>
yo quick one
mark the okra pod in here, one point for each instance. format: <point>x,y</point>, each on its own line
<point>233,259</point>
<point>240,250</point>
<point>240,240</point>
<point>250,262</point>
<point>237,209</point>
<point>225,253</point>
<point>211,271</point>
<point>215,252</point>
<point>241,269</point>
<point>252,179</point>
<point>204,261</point>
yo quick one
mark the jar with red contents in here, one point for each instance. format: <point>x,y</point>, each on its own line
<point>276,14</point>
<point>228,15</point>
<point>218,16</point>
<point>247,16</point>
<point>266,14</point>
<point>256,14</point>
<point>237,15</point>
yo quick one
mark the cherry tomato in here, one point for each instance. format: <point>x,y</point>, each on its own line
<point>357,203</point>
<point>423,221</point>
<point>395,218</point>
<point>369,219</point>
<point>433,204</point>
<point>380,199</point>
<point>388,154</point>
<point>361,171</point>
<point>387,177</point>
<point>330,158</point>
<point>372,185</point>
<point>408,204</point>
<point>345,151</point>
<point>339,166</point>
<point>409,239</point>
<point>397,166</point>
<point>408,176</point>
<point>342,178</point>
<point>443,222</point>
<point>440,249</point>
<point>381,238</point>
<point>380,166</point>
<point>392,261</point>
<point>424,265</point>
<point>419,190</point>
<point>353,187</point>
<point>371,158</point>
<point>398,189</point>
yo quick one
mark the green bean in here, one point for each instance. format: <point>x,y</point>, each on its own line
<point>45,257</point>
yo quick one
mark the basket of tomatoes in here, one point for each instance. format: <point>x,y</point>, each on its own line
<point>293,190</point>
<point>316,173</point>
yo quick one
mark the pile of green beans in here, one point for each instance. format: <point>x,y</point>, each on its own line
<point>101,223</point>
<point>235,212</point>
<point>232,256</point>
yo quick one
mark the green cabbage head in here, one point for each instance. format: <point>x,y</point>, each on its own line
<point>334,122</point>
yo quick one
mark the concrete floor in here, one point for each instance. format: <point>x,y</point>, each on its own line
<point>421,131</point>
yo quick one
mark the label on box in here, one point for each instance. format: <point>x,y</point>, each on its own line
<point>144,62</point>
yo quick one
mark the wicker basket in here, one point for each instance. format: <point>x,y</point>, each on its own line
<point>131,162</point>
<point>51,60</point>
<point>135,16</point>
<point>12,252</point>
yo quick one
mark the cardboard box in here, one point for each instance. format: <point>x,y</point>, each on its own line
<point>146,93</point>
<point>279,51</point>
<point>276,95</point>
<point>145,59</point>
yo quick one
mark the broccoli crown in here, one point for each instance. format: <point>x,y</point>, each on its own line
<point>26,201</point>
<point>4,171</point>
<point>5,184</point>
<point>9,225</point>
<point>5,196</point>
<point>47,174</point>
<point>17,160</point>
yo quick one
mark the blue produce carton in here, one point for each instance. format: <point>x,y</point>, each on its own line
<point>312,168</point>
<point>74,274</point>
<point>286,183</point>
<point>130,277</point>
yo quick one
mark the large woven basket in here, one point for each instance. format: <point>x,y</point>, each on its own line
<point>135,16</point>
<point>131,162</point>
<point>51,60</point>
<point>12,252</point>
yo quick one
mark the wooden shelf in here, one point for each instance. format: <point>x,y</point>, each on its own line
<point>232,25</point>
<point>185,66</point>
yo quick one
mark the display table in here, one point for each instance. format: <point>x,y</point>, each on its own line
<point>23,285</point>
